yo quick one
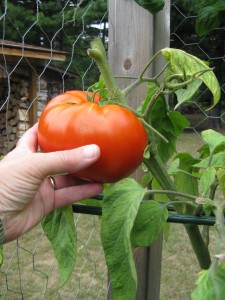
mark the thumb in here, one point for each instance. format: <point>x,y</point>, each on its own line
<point>67,161</point>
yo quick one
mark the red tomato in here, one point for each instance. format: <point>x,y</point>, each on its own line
<point>68,122</point>
<point>75,96</point>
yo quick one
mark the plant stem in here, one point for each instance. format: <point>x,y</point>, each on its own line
<point>141,79</point>
<point>147,125</point>
<point>150,62</point>
<point>152,101</point>
<point>133,85</point>
<point>158,170</point>
<point>174,193</point>
<point>198,245</point>
<point>97,52</point>
<point>182,202</point>
<point>137,82</point>
<point>189,174</point>
<point>136,113</point>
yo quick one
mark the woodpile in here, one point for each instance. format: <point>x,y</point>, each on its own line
<point>15,103</point>
<point>14,115</point>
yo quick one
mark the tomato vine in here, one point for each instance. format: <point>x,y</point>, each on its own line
<point>129,218</point>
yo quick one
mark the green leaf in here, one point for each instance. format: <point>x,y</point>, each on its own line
<point>170,124</point>
<point>207,179</point>
<point>151,89</point>
<point>221,179</point>
<point>187,64</point>
<point>218,161</point>
<point>210,284</point>
<point>91,202</point>
<point>184,95</point>
<point>178,121</point>
<point>149,223</point>
<point>159,197</point>
<point>204,151</point>
<point>146,154</point>
<point>146,179</point>
<point>213,139</point>
<point>100,88</point>
<point>60,230</point>
<point>210,17</point>
<point>153,6</point>
<point>174,167</point>
<point>119,210</point>
<point>184,182</point>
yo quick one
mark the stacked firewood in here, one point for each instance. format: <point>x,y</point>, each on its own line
<point>14,113</point>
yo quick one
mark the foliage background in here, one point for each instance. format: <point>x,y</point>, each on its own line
<point>58,25</point>
<point>198,27</point>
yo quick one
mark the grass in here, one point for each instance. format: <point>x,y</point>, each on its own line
<point>30,270</point>
<point>179,264</point>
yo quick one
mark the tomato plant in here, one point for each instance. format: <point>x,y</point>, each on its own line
<point>77,122</point>
<point>130,218</point>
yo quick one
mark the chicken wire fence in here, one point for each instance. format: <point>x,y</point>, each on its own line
<point>179,264</point>
<point>43,48</point>
<point>211,49</point>
<point>29,77</point>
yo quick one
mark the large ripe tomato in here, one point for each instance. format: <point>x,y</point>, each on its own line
<point>69,122</point>
<point>75,95</point>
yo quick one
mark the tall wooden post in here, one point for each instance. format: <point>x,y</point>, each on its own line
<point>33,97</point>
<point>134,36</point>
<point>130,45</point>
<point>161,40</point>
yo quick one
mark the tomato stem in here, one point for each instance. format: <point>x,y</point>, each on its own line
<point>141,79</point>
<point>150,62</point>
<point>152,101</point>
<point>174,193</point>
<point>97,52</point>
<point>148,126</point>
<point>159,172</point>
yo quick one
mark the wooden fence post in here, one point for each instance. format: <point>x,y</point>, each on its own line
<point>134,36</point>
<point>130,45</point>
<point>161,40</point>
<point>33,96</point>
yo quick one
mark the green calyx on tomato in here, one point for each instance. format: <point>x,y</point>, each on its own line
<point>117,131</point>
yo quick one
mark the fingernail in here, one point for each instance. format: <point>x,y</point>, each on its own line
<point>90,151</point>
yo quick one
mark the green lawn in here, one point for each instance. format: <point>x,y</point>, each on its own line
<point>179,264</point>
<point>30,269</point>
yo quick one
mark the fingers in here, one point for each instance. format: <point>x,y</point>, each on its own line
<point>69,161</point>
<point>57,162</point>
<point>26,144</point>
<point>71,195</point>
<point>52,199</point>
<point>29,139</point>
<point>62,181</point>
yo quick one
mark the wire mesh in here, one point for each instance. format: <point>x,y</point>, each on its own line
<point>64,29</point>
<point>209,48</point>
<point>43,48</point>
<point>179,264</point>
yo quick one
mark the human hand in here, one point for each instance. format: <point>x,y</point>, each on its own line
<point>26,193</point>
